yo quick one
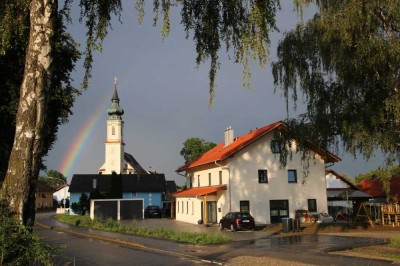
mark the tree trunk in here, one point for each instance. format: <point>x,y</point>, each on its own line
<point>24,164</point>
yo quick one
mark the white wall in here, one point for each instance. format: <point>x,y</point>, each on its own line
<point>333,182</point>
<point>61,194</point>
<point>245,184</point>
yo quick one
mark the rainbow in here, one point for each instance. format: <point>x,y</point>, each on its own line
<point>80,139</point>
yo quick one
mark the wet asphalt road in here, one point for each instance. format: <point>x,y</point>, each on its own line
<point>310,249</point>
<point>88,252</point>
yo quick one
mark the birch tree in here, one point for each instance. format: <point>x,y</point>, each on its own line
<point>242,26</point>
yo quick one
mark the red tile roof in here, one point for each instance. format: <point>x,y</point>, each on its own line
<point>199,191</point>
<point>220,152</point>
<point>374,186</point>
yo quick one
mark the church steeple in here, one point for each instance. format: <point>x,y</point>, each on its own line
<point>114,157</point>
<point>115,111</point>
<point>116,160</point>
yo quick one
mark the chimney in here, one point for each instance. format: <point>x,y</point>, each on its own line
<point>228,136</point>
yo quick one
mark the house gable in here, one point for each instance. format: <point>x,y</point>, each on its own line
<point>222,152</point>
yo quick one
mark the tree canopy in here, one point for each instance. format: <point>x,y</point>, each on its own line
<point>12,60</point>
<point>54,179</point>
<point>345,62</point>
<point>193,148</point>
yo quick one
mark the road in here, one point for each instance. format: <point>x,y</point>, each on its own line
<point>83,251</point>
<point>86,247</point>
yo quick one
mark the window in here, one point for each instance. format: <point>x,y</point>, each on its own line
<point>192,207</point>
<point>220,177</point>
<point>209,179</point>
<point>262,176</point>
<point>177,203</point>
<point>187,207</point>
<point>312,205</point>
<point>113,130</point>
<point>198,180</point>
<point>292,176</point>
<point>275,146</point>
<point>133,194</point>
<point>245,206</point>
<point>190,182</point>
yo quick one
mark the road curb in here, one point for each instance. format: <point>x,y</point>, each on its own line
<point>124,243</point>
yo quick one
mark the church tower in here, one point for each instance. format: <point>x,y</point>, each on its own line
<point>114,157</point>
<point>117,160</point>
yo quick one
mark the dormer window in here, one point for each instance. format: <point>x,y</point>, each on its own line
<point>275,146</point>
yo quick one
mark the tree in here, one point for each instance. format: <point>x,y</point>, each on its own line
<point>12,58</point>
<point>116,186</point>
<point>81,207</point>
<point>37,56</point>
<point>345,61</point>
<point>379,173</point>
<point>244,27</point>
<point>193,148</point>
<point>21,246</point>
<point>54,179</point>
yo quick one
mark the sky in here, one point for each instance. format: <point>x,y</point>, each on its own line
<point>165,98</point>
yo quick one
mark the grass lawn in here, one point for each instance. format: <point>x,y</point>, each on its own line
<point>113,226</point>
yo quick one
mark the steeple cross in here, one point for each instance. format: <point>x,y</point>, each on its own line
<point>115,81</point>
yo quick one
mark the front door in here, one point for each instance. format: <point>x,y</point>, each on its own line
<point>212,212</point>
<point>279,209</point>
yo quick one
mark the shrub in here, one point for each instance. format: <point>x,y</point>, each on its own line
<point>20,245</point>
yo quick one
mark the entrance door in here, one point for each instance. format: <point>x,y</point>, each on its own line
<point>279,209</point>
<point>212,212</point>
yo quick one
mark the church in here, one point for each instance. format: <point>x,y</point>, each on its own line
<point>121,181</point>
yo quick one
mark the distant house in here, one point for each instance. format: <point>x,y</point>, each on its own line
<point>44,196</point>
<point>148,187</point>
<point>342,194</point>
<point>375,187</point>
<point>244,174</point>
<point>61,194</point>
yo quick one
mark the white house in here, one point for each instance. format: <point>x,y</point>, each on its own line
<point>62,194</point>
<point>244,174</point>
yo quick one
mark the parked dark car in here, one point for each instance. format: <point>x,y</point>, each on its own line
<point>237,221</point>
<point>152,211</point>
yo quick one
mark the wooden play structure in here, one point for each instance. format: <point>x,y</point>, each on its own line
<point>390,214</point>
<point>384,214</point>
<point>364,214</point>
